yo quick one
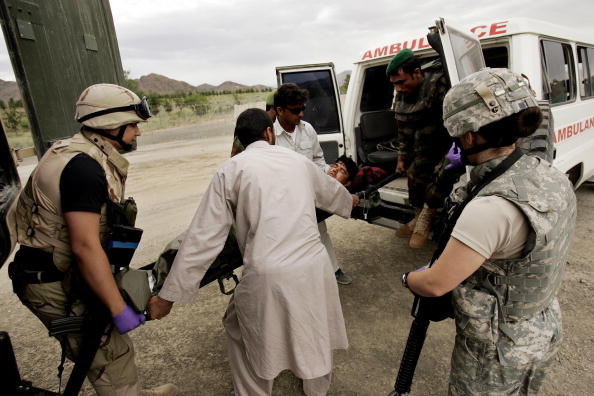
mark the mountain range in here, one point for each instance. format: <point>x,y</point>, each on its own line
<point>159,84</point>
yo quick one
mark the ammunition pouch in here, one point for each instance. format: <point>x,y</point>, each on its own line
<point>121,245</point>
<point>134,287</point>
<point>123,240</point>
<point>123,213</point>
<point>123,237</point>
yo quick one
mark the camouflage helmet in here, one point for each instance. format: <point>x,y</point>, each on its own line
<point>109,106</point>
<point>484,97</point>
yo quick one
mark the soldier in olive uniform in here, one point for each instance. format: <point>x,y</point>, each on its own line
<point>422,139</point>
<point>511,233</point>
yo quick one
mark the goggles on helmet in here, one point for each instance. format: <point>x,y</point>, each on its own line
<point>141,109</point>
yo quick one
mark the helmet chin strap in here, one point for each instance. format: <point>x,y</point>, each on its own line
<point>464,153</point>
<point>126,147</point>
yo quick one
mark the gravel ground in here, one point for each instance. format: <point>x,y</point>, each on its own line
<point>167,179</point>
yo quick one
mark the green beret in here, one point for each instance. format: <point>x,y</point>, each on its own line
<point>398,60</point>
<point>270,98</point>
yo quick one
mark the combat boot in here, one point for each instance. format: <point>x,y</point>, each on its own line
<point>163,390</point>
<point>420,234</point>
<point>406,230</point>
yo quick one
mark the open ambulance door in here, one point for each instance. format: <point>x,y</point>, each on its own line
<point>461,55</point>
<point>323,109</point>
<point>460,51</point>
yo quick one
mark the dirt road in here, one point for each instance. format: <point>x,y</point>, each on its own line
<point>188,347</point>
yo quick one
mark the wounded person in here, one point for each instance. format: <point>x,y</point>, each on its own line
<point>344,170</point>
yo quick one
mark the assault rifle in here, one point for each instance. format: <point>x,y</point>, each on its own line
<point>92,327</point>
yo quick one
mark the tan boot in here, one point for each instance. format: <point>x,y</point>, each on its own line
<point>422,229</point>
<point>163,390</point>
<point>406,230</point>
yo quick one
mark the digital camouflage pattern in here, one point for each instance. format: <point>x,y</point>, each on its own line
<point>423,140</point>
<point>484,97</point>
<point>542,142</point>
<point>508,319</point>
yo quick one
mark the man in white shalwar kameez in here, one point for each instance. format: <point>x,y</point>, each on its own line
<point>300,136</point>
<point>285,313</point>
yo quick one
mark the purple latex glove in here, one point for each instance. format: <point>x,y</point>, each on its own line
<point>453,157</point>
<point>422,268</point>
<point>128,320</point>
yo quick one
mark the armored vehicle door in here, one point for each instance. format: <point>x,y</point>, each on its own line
<point>9,190</point>
<point>58,48</point>
<point>323,110</point>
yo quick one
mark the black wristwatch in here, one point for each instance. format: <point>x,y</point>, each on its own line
<point>404,279</point>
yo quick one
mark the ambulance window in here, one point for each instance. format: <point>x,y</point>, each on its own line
<point>321,110</point>
<point>377,91</point>
<point>467,53</point>
<point>559,78</point>
<point>496,57</point>
<point>586,71</point>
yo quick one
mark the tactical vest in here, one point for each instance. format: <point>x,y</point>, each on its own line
<point>526,286</point>
<point>39,219</point>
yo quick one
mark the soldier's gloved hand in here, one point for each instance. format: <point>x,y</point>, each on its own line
<point>128,320</point>
<point>453,157</point>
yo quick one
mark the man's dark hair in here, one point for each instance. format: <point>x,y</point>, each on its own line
<point>350,165</point>
<point>506,131</point>
<point>290,94</point>
<point>410,65</point>
<point>251,124</point>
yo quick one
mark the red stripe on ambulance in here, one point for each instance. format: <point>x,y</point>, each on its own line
<point>479,31</point>
<point>573,129</point>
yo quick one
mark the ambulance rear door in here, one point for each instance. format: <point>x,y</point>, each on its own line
<point>323,109</point>
<point>460,50</point>
<point>461,55</point>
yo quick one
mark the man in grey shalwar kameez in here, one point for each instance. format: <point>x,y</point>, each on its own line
<point>285,313</point>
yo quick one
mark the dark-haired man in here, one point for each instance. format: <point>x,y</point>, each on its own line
<point>270,109</point>
<point>300,136</point>
<point>422,139</point>
<point>285,313</point>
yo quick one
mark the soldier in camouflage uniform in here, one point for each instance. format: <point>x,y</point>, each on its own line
<point>505,257</point>
<point>422,139</point>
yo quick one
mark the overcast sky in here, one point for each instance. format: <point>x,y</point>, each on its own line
<point>210,41</point>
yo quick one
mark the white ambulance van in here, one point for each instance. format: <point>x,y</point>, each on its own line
<point>558,61</point>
